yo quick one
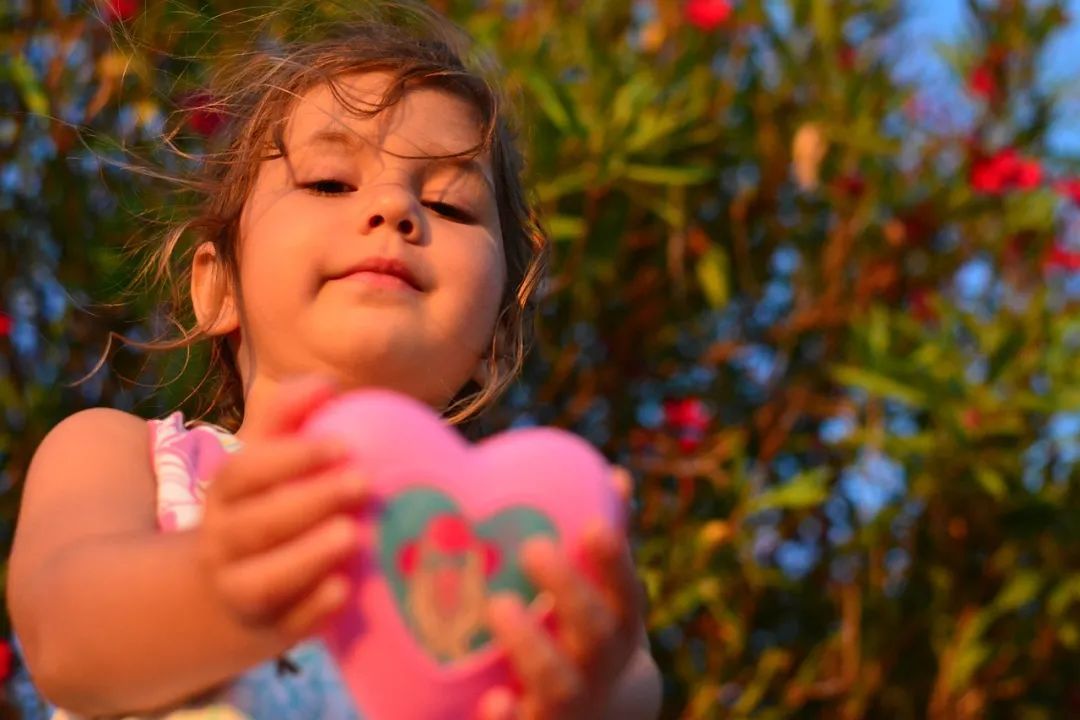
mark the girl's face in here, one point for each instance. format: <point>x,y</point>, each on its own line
<point>370,267</point>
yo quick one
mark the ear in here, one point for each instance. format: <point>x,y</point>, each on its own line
<point>211,293</point>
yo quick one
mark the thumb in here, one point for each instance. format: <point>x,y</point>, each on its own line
<point>293,402</point>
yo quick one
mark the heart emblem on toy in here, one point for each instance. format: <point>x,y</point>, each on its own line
<point>442,534</point>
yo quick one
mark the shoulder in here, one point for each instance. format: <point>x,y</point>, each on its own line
<point>92,458</point>
<point>91,436</point>
<point>90,427</point>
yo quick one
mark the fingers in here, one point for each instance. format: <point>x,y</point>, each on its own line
<point>623,482</point>
<point>498,704</point>
<point>305,617</point>
<point>294,401</point>
<point>598,621</point>
<point>254,469</point>
<point>263,586</point>
<point>586,624</point>
<point>552,684</point>
<point>624,486</point>
<point>609,557</point>
<point>266,520</point>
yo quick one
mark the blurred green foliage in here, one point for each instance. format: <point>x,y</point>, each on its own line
<point>828,321</point>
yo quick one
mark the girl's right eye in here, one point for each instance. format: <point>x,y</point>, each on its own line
<point>328,187</point>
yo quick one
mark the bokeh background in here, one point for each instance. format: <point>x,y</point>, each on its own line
<point>816,273</point>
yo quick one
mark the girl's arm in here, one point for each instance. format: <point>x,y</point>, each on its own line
<point>113,616</point>
<point>116,617</point>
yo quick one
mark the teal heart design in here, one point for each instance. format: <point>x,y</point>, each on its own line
<point>442,567</point>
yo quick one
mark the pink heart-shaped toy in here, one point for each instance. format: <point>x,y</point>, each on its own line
<point>441,535</point>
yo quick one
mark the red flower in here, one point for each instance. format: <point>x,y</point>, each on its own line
<point>1070,189</point>
<point>852,185</point>
<point>846,57</point>
<point>708,14</point>
<point>981,82</point>
<point>1003,171</point>
<point>7,658</point>
<point>1059,258</point>
<point>5,325</point>
<point>203,117</point>
<point>689,443</point>
<point>920,304</point>
<point>686,414</point>
<point>120,10</point>
<point>1028,174</point>
<point>971,419</point>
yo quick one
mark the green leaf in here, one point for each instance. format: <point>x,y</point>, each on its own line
<point>564,228</point>
<point>878,331</point>
<point>1064,595</point>
<point>1021,589</point>
<point>878,385</point>
<point>32,94</point>
<point>971,652</point>
<point>992,482</point>
<point>668,175</point>
<point>824,21</point>
<point>550,103</point>
<point>967,661</point>
<point>807,489</point>
<point>1033,211</point>
<point>1069,634</point>
<point>630,99</point>
<point>1003,353</point>
<point>565,184</point>
<point>712,274</point>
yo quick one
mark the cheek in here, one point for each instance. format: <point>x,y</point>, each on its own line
<point>489,279</point>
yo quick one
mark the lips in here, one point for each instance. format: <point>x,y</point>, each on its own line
<point>382,266</point>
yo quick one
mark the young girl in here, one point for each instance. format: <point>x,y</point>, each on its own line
<point>365,227</point>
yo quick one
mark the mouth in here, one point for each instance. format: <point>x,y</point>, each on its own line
<point>382,272</point>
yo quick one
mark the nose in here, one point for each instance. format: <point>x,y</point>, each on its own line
<point>395,207</point>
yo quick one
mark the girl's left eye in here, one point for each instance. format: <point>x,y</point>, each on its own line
<point>451,212</point>
<point>328,187</point>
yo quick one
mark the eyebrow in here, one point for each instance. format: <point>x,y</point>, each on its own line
<point>351,143</point>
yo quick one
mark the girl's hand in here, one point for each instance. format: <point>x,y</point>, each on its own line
<point>573,674</point>
<point>278,522</point>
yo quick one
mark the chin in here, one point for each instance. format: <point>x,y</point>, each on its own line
<point>413,374</point>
